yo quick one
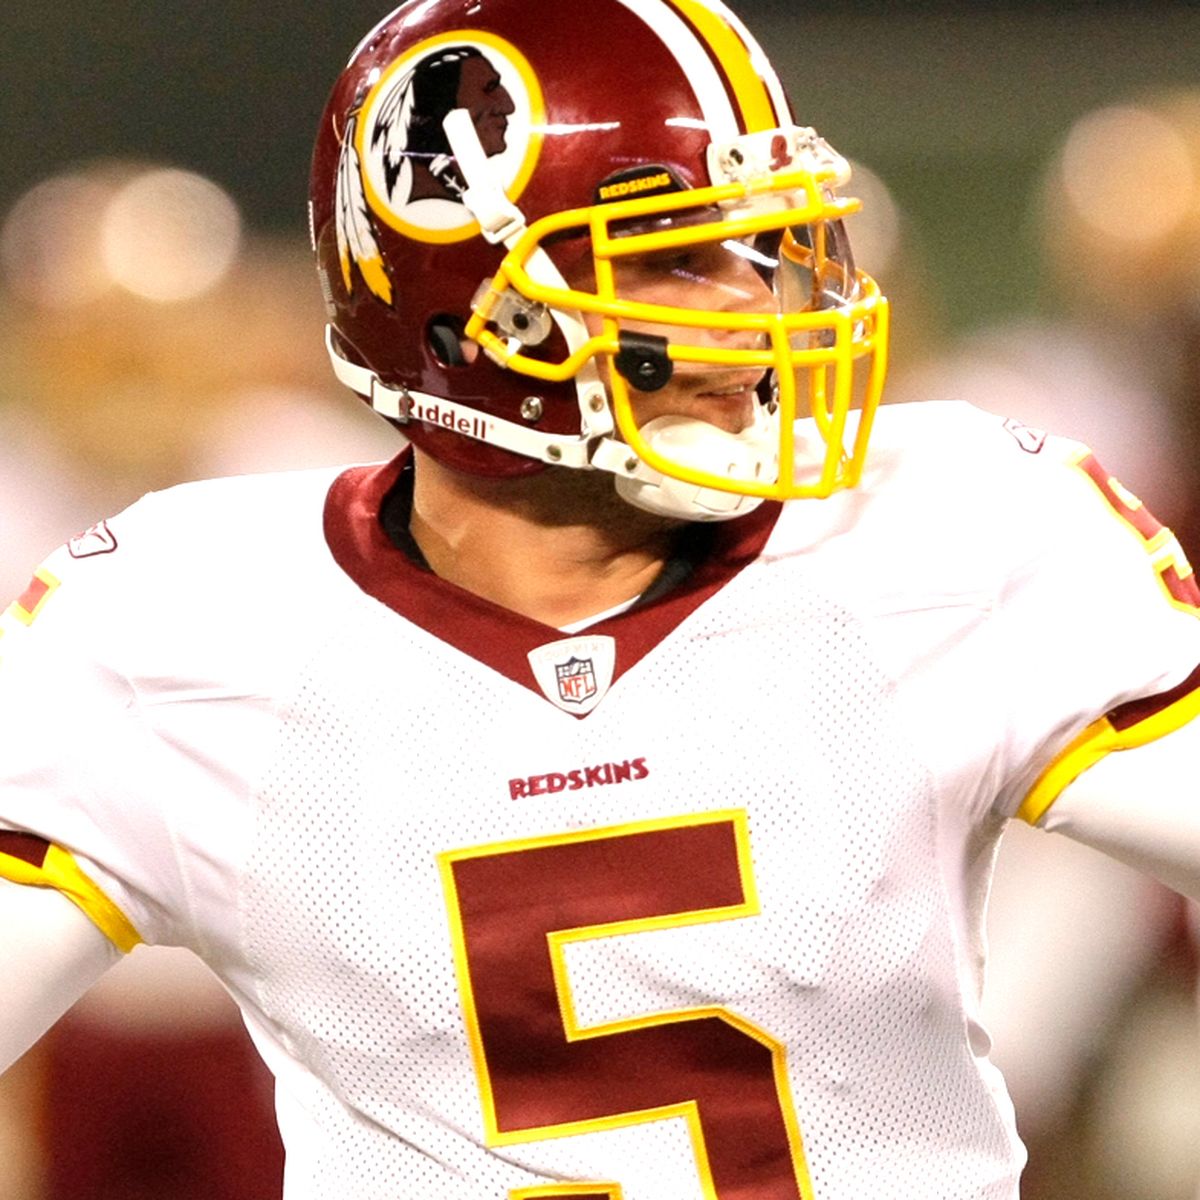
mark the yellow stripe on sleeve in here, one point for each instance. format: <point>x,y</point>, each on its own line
<point>59,871</point>
<point>1125,728</point>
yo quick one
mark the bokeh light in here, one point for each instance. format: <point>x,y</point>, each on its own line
<point>170,235</point>
<point>162,234</point>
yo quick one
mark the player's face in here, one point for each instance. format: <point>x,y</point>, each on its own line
<point>482,94</point>
<point>721,277</point>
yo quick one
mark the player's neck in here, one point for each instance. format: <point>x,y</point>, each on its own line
<point>559,546</point>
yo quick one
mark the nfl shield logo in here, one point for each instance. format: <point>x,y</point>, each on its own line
<point>575,673</point>
<point>576,680</point>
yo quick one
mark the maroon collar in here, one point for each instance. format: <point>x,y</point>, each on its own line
<point>493,635</point>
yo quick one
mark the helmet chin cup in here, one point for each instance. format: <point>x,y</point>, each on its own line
<point>749,455</point>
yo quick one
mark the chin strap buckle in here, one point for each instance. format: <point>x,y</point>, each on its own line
<point>501,221</point>
<point>390,403</point>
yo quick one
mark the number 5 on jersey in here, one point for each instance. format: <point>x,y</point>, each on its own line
<point>1174,571</point>
<point>514,909</point>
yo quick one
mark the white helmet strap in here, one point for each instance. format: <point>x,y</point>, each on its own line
<point>502,222</point>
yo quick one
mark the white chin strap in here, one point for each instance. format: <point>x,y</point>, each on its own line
<point>749,455</point>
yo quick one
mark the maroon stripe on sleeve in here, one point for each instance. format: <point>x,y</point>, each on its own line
<point>27,847</point>
<point>1125,716</point>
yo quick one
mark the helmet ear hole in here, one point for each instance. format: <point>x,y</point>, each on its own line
<point>446,335</point>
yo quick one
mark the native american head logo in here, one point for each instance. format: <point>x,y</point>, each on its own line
<point>408,133</point>
<point>397,165</point>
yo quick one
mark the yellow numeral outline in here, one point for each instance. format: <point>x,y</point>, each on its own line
<point>557,941</point>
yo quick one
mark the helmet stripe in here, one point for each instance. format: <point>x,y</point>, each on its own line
<point>761,63</point>
<point>696,61</point>
<point>741,60</point>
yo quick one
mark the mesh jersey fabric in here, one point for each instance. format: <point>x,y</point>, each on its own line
<point>720,937</point>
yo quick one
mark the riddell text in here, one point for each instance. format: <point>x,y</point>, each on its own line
<point>631,770</point>
<point>432,414</point>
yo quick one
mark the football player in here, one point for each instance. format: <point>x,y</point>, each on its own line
<point>599,799</point>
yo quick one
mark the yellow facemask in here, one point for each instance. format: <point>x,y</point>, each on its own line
<point>749,281</point>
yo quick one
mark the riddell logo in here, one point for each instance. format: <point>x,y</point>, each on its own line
<point>432,414</point>
<point>629,771</point>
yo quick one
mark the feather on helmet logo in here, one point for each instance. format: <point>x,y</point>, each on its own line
<point>397,165</point>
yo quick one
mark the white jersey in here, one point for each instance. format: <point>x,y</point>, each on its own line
<point>687,905</point>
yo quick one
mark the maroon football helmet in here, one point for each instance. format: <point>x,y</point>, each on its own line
<point>485,173</point>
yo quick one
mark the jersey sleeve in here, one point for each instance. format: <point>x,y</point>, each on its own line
<point>1100,636</point>
<point>81,809</point>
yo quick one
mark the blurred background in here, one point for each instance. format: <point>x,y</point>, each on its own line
<point>1032,180</point>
